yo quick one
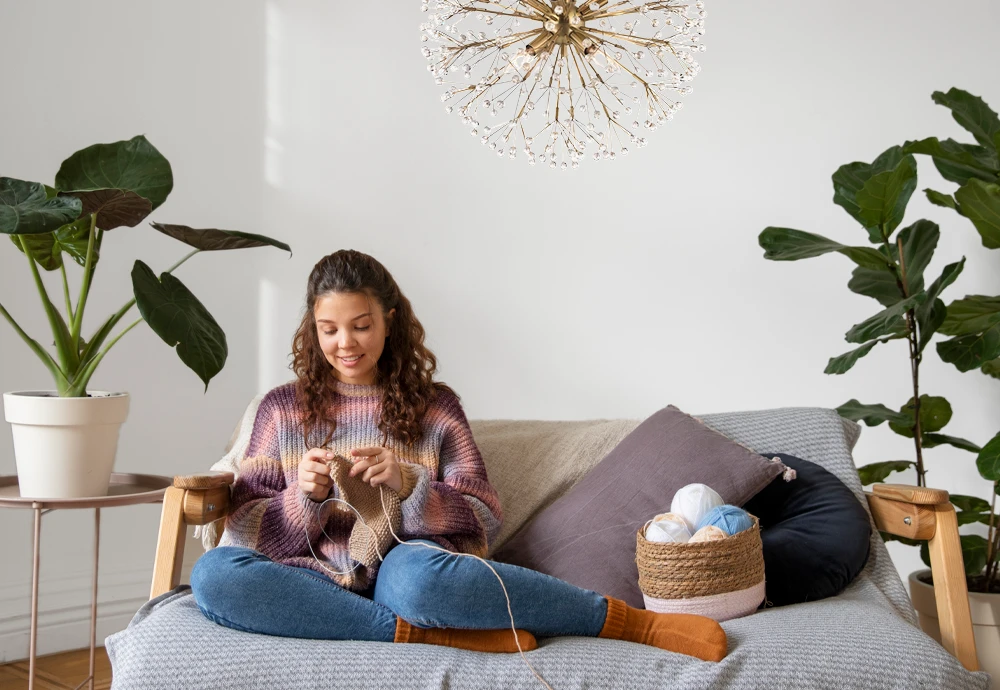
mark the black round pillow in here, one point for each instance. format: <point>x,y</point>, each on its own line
<point>815,533</point>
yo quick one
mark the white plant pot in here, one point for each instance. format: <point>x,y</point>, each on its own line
<point>985,610</point>
<point>64,447</point>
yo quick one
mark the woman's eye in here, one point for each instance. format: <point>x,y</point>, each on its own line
<point>363,328</point>
<point>329,332</point>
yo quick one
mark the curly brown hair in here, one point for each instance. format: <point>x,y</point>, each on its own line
<point>405,370</point>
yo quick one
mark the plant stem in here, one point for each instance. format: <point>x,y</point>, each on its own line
<point>69,304</point>
<point>84,378</point>
<point>67,358</point>
<point>913,341</point>
<point>991,538</point>
<point>46,358</point>
<point>85,289</point>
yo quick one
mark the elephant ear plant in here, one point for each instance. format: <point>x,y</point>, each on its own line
<point>890,269</point>
<point>102,188</point>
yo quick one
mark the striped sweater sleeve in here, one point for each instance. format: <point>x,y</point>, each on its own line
<point>459,508</point>
<point>269,513</point>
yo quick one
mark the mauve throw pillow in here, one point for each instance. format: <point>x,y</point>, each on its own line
<point>587,536</point>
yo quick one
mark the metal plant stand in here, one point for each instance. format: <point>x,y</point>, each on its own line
<point>124,490</point>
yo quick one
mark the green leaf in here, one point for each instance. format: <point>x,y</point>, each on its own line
<point>216,240</point>
<point>177,316</point>
<point>883,198</point>
<point>988,461</point>
<point>843,363</point>
<point>970,504</point>
<point>786,244</point>
<point>886,322</point>
<point>878,471</point>
<point>969,352</point>
<point>980,203</point>
<point>935,413</point>
<point>934,440</point>
<point>940,199</point>
<point>25,208</point>
<point>971,112</point>
<point>929,320</point>
<point>992,368</point>
<point>850,179</point>
<point>115,208</point>
<point>967,517</point>
<point>919,242</point>
<point>880,284</point>
<point>72,239</point>
<point>955,161</point>
<point>973,553</point>
<point>972,314</point>
<point>872,415</point>
<point>925,553</point>
<point>886,536</point>
<point>134,165</point>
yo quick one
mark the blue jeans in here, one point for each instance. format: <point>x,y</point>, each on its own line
<point>243,589</point>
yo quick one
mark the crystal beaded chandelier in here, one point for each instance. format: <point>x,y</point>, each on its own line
<point>560,80</point>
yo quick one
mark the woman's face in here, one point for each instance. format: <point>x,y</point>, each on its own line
<point>352,331</point>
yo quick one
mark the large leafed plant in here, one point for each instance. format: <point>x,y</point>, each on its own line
<point>102,188</point>
<point>890,268</point>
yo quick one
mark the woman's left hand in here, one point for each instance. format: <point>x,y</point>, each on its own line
<point>378,465</point>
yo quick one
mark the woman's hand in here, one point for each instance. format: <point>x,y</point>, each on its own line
<point>378,465</point>
<point>314,474</point>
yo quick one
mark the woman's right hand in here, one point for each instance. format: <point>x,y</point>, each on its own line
<point>314,474</point>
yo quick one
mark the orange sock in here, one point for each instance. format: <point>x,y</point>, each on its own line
<point>685,633</point>
<point>473,640</point>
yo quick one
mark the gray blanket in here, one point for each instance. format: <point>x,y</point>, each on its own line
<point>864,638</point>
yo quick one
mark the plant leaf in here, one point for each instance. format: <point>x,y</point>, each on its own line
<point>115,208</point>
<point>134,165</point>
<point>25,208</point>
<point>878,471</point>
<point>216,240</point>
<point>872,415</point>
<point>940,199</point>
<point>935,413</point>
<point>883,198</point>
<point>971,112</point>
<point>886,322</point>
<point>843,363</point>
<point>878,284</point>
<point>955,161</point>
<point>988,461</point>
<point>971,351</point>
<point>973,553</point>
<point>72,238</point>
<point>967,518</point>
<point>177,316</point>
<point>851,178</point>
<point>970,504</point>
<point>980,203</point>
<point>934,440</point>
<point>932,314</point>
<point>786,244</point>
<point>992,368</point>
<point>972,314</point>
<point>919,241</point>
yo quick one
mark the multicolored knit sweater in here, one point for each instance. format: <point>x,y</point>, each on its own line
<point>446,496</point>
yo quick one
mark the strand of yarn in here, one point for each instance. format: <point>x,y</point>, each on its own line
<point>381,557</point>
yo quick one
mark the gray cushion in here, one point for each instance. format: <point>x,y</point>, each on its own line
<point>587,536</point>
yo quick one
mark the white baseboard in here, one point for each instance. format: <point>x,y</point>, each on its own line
<point>64,610</point>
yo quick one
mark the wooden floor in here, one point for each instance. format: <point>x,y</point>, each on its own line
<point>58,671</point>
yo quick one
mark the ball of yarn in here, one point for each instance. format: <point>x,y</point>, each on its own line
<point>708,533</point>
<point>693,501</point>
<point>729,519</point>
<point>668,527</point>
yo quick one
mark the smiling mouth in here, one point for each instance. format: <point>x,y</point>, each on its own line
<point>355,358</point>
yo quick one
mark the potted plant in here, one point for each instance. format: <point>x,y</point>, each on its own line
<point>65,439</point>
<point>891,271</point>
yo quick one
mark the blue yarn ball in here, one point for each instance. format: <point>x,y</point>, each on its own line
<point>729,519</point>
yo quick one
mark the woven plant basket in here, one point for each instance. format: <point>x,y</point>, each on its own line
<point>721,579</point>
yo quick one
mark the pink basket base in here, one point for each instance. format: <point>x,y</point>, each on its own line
<point>721,607</point>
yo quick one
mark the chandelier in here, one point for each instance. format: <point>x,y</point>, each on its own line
<point>559,80</point>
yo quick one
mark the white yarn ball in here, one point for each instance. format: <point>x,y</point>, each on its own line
<point>709,533</point>
<point>693,501</point>
<point>668,527</point>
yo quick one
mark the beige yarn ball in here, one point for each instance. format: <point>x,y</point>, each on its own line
<point>708,533</point>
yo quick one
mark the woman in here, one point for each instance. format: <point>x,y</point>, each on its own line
<point>296,566</point>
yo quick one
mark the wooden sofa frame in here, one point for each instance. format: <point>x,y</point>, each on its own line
<point>905,511</point>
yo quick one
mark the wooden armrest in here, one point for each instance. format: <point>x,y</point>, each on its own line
<point>195,499</point>
<point>919,495</point>
<point>926,514</point>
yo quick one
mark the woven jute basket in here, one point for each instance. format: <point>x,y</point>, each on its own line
<point>700,569</point>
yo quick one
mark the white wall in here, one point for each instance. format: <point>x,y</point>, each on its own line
<point>609,291</point>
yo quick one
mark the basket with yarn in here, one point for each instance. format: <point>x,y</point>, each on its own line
<point>703,557</point>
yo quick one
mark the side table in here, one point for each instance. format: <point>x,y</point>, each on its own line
<point>124,490</point>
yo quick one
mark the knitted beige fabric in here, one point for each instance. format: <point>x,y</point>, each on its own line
<point>367,543</point>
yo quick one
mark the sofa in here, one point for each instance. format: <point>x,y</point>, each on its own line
<point>865,637</point>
